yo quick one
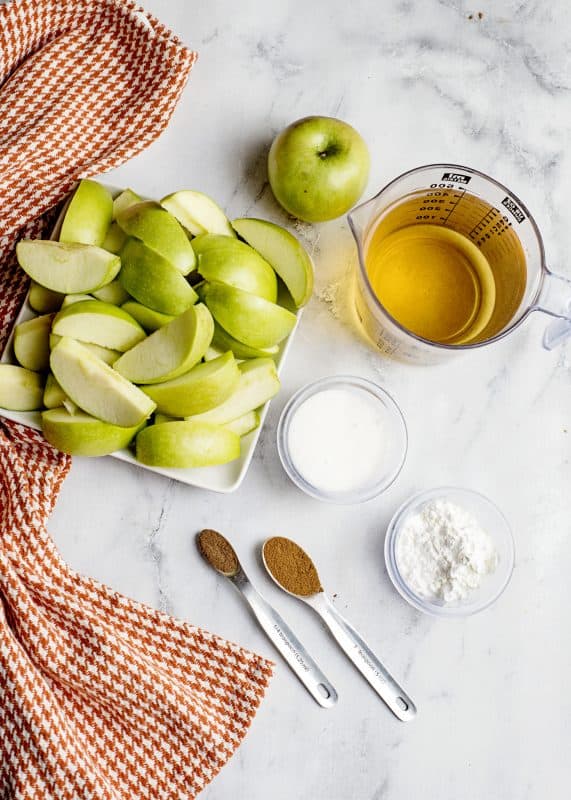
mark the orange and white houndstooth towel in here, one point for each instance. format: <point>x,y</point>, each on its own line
<point>100,697</point>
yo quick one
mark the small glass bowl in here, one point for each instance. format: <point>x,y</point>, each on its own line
<point>491,520</point>
<point>395,431</point>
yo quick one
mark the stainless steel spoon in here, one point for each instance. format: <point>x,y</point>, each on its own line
<point>221,556</point>
<point>348,638</point>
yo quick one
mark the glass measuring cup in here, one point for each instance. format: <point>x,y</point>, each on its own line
<point>493,219</point>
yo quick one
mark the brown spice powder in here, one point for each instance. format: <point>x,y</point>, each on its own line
<point>218,552</point>
<point>291,567</point>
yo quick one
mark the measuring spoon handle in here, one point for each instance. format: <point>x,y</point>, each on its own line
<point>295,654</point>
<point>365,660</point>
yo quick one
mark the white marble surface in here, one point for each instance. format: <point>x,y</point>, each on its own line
<point>423,83</point>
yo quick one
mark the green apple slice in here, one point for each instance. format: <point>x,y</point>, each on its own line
<point>67,267</point>
<point>186,445</point>
<point>200,389</point>
<point>54,395</point>
<point>70,299</point>
<point>227,260</point>
<point>115,238</point>
<point>125,200</point>
<point>43,300</point>
<point>248,318</point>
<point>96,387</point>
<point>99,323</point>
<point>112,293</point>
<point>197,212</point>
<point>282,250</point>
<point>223,341</point>
<point>20,388</point>
<point>88,214</point>
<point>258,383</point>
<point>160,418</point>
<point>153,281</point>
<point>159,231</point>
<point>149,319</point>
<point>171,351</point>
<point>32,343</point>
<point>80,434</point>
<point>244,424</point>
<point>103,353</point>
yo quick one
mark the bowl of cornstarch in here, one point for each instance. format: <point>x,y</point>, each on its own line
<point>449,552</point>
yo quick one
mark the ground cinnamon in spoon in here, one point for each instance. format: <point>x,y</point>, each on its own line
<point>218,552</point>
<point>291,567</point>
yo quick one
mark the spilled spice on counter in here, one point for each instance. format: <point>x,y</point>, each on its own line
<point>291,567</point>
<point>218,551</point>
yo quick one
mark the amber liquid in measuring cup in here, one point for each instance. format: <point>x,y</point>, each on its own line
<point>446,267</point>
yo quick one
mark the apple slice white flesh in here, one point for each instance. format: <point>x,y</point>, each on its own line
<point>153,281</point>
<point>112,293</point>
<point>283,251</point>
<point>171,351</point>
<point>54,395</point>
<point>88,214</point>
<point>70,299</point>
<point>67,267</point>
<point>223,341</point>
<point>99,323</point>
<point>197,212</point>
<point>103,353</point>
<point>227,260</point>
<point>248,318</point>
<point>150,320</point>
<point>32,343</point>
<point>159,231</point>
<point>96,387</point>
<point>43,300</point>
<point>258,383</point>
<point>244,424</point>
<point>20,388</point>
<point>80,434</point>
<point>200,389</point>
<point>186,445</point>
<point>125,200</point>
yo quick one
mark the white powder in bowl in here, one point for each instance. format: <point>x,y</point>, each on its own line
<point>443,553</point>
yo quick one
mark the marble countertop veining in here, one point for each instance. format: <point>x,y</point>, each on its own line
<point>424,81</point>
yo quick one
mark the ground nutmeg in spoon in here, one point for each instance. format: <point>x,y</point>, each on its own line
<point>218,551</point>
<point>291,567</point>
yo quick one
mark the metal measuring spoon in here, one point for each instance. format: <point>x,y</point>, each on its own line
<point>221,556</point>
<point>350,641</point>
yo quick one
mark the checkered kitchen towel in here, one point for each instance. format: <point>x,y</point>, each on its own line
<point>100,697</point>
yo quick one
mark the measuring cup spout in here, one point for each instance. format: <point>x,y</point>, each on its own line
<point>359,218</point>
<point>555,299</point>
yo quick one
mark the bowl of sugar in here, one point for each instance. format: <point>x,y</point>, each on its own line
<point>342,439</point>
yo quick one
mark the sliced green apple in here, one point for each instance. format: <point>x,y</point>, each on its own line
<point>244,424</point>
<point>223,341</point>
<point>88,214</point>
<point>112,293</point>
<point>54,395</point>
<point>96,387</point>
<point>159,231</point>
<point>124,200</point>
<point>150,320</point>
<point>103,353</point>
<point>80,434</point>
<point>20,388</point>
<point>153,281</point>
<point>258,383</point>
<point>200,389</point>
<point>283,251</point>
<point>171,351</point>
<point>99,323</point>
<point>186,445</point>
<point>43,300</point>
<point>248,318</point>
<point>67,267</point>
<point>197,212</point>
<point>32,343</point>
<point>227,260</point>
<point>160,418</point>
<point>70,299</point>
<point>115,238</point>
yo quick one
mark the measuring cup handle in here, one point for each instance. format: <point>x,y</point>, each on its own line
<point>555,299</point>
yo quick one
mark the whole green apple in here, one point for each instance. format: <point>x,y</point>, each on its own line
<point>318,168</point>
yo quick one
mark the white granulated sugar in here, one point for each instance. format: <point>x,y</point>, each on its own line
<point>443,553</point>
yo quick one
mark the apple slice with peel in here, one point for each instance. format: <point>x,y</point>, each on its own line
<point>112,293</point>
<point>223,341</point>
<point>99,323</point>
<point>96,387</point>
<point>246,317</point>
<point>125,200</point>
<point>258,383</point>
<point>159,231</point>
<point>80,434</point>
<point>20,388</point>
<point>43,300</point>
<point>70,299</point>
<point>244,424</point>
<point>67,267</point>
<point>227,260</point>
<point>282,250</point>
<point>103,353</point>
<point>171,351</point>
<point>153,281</point>
<point>200,389</point>
<point>54,395</point>
<point>88,214</point>
<point>32,343</point>
<point>197,212</point>
<point>150,320</point>
<point>115,238</point>
<point>186,445</point>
